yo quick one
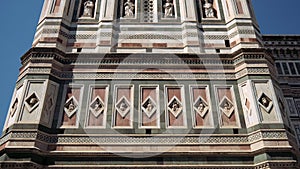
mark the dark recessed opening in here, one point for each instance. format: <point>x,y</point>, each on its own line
<point>148,131</point>
<point>149,50</point>
<point>79,49</point>
<point>235,131</point>
<point>227,44</point>
<point>218,50</point>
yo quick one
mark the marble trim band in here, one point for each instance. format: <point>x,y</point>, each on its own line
<point>24,165</point>
<point>141,139</point>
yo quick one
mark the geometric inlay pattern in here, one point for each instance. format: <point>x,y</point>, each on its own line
<point>201,106</point>
<point>123,106</point>
<point>97,106</point>
<point>175,106</point>
<point>31,102</point>
<point>226,106</point>
<point>71,106</point>
<point>149,106</point>
<point>265,102</point>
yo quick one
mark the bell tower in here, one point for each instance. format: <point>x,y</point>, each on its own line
<point>153,26</point>
<point>148,84</point>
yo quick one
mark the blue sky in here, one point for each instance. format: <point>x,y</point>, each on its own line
<point>19,19</point>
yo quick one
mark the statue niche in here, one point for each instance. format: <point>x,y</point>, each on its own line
<point>129,9</point>
<point>208,9</point>
<point>88,8</point>
<point>168,9</point>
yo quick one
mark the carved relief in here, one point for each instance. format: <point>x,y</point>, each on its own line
<point>200,101</point>
<point>34,97</point>
<point>265,102</point>
<point>175,107</point>
<point>31,102</point>
<point>97,106</point>
<point>201,106</point>
<point>123,107</point>
<point>149,107</point>
<point>71,106</point>
<point>227,109</point>
<point>264,92</point>
<point>226,106</point>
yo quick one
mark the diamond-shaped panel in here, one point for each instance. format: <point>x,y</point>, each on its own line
<point>31,102</point>
<point>71,106</point>
<point>13,108</point>
<point>123,106</point>
<point>201,106</point>
<point>97,106</point>
<point>226,106</point>
<point>265,102</point>
<point>149,106</point>
<point>175,106</point>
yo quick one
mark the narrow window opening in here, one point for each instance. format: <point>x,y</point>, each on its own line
<point>227,43</point>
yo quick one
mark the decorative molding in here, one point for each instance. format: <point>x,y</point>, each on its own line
<point>269,164</point>
<point>70,75</point>
<point>140,139</point>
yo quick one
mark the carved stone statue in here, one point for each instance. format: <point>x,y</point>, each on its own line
<point>168,9</point>
<point>129,8</point>
<point>208,9</point>
<point>88,8</point>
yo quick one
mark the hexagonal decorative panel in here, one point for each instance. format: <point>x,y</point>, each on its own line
<point>265,102</point>
<point>149,106</point>
<point>71,106</point>
<point>97,106</point>
<point>123,106</point>
<point>201,106</point>
<point>32,102</point>
<point>175,106</point>
<point>226,106</point>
